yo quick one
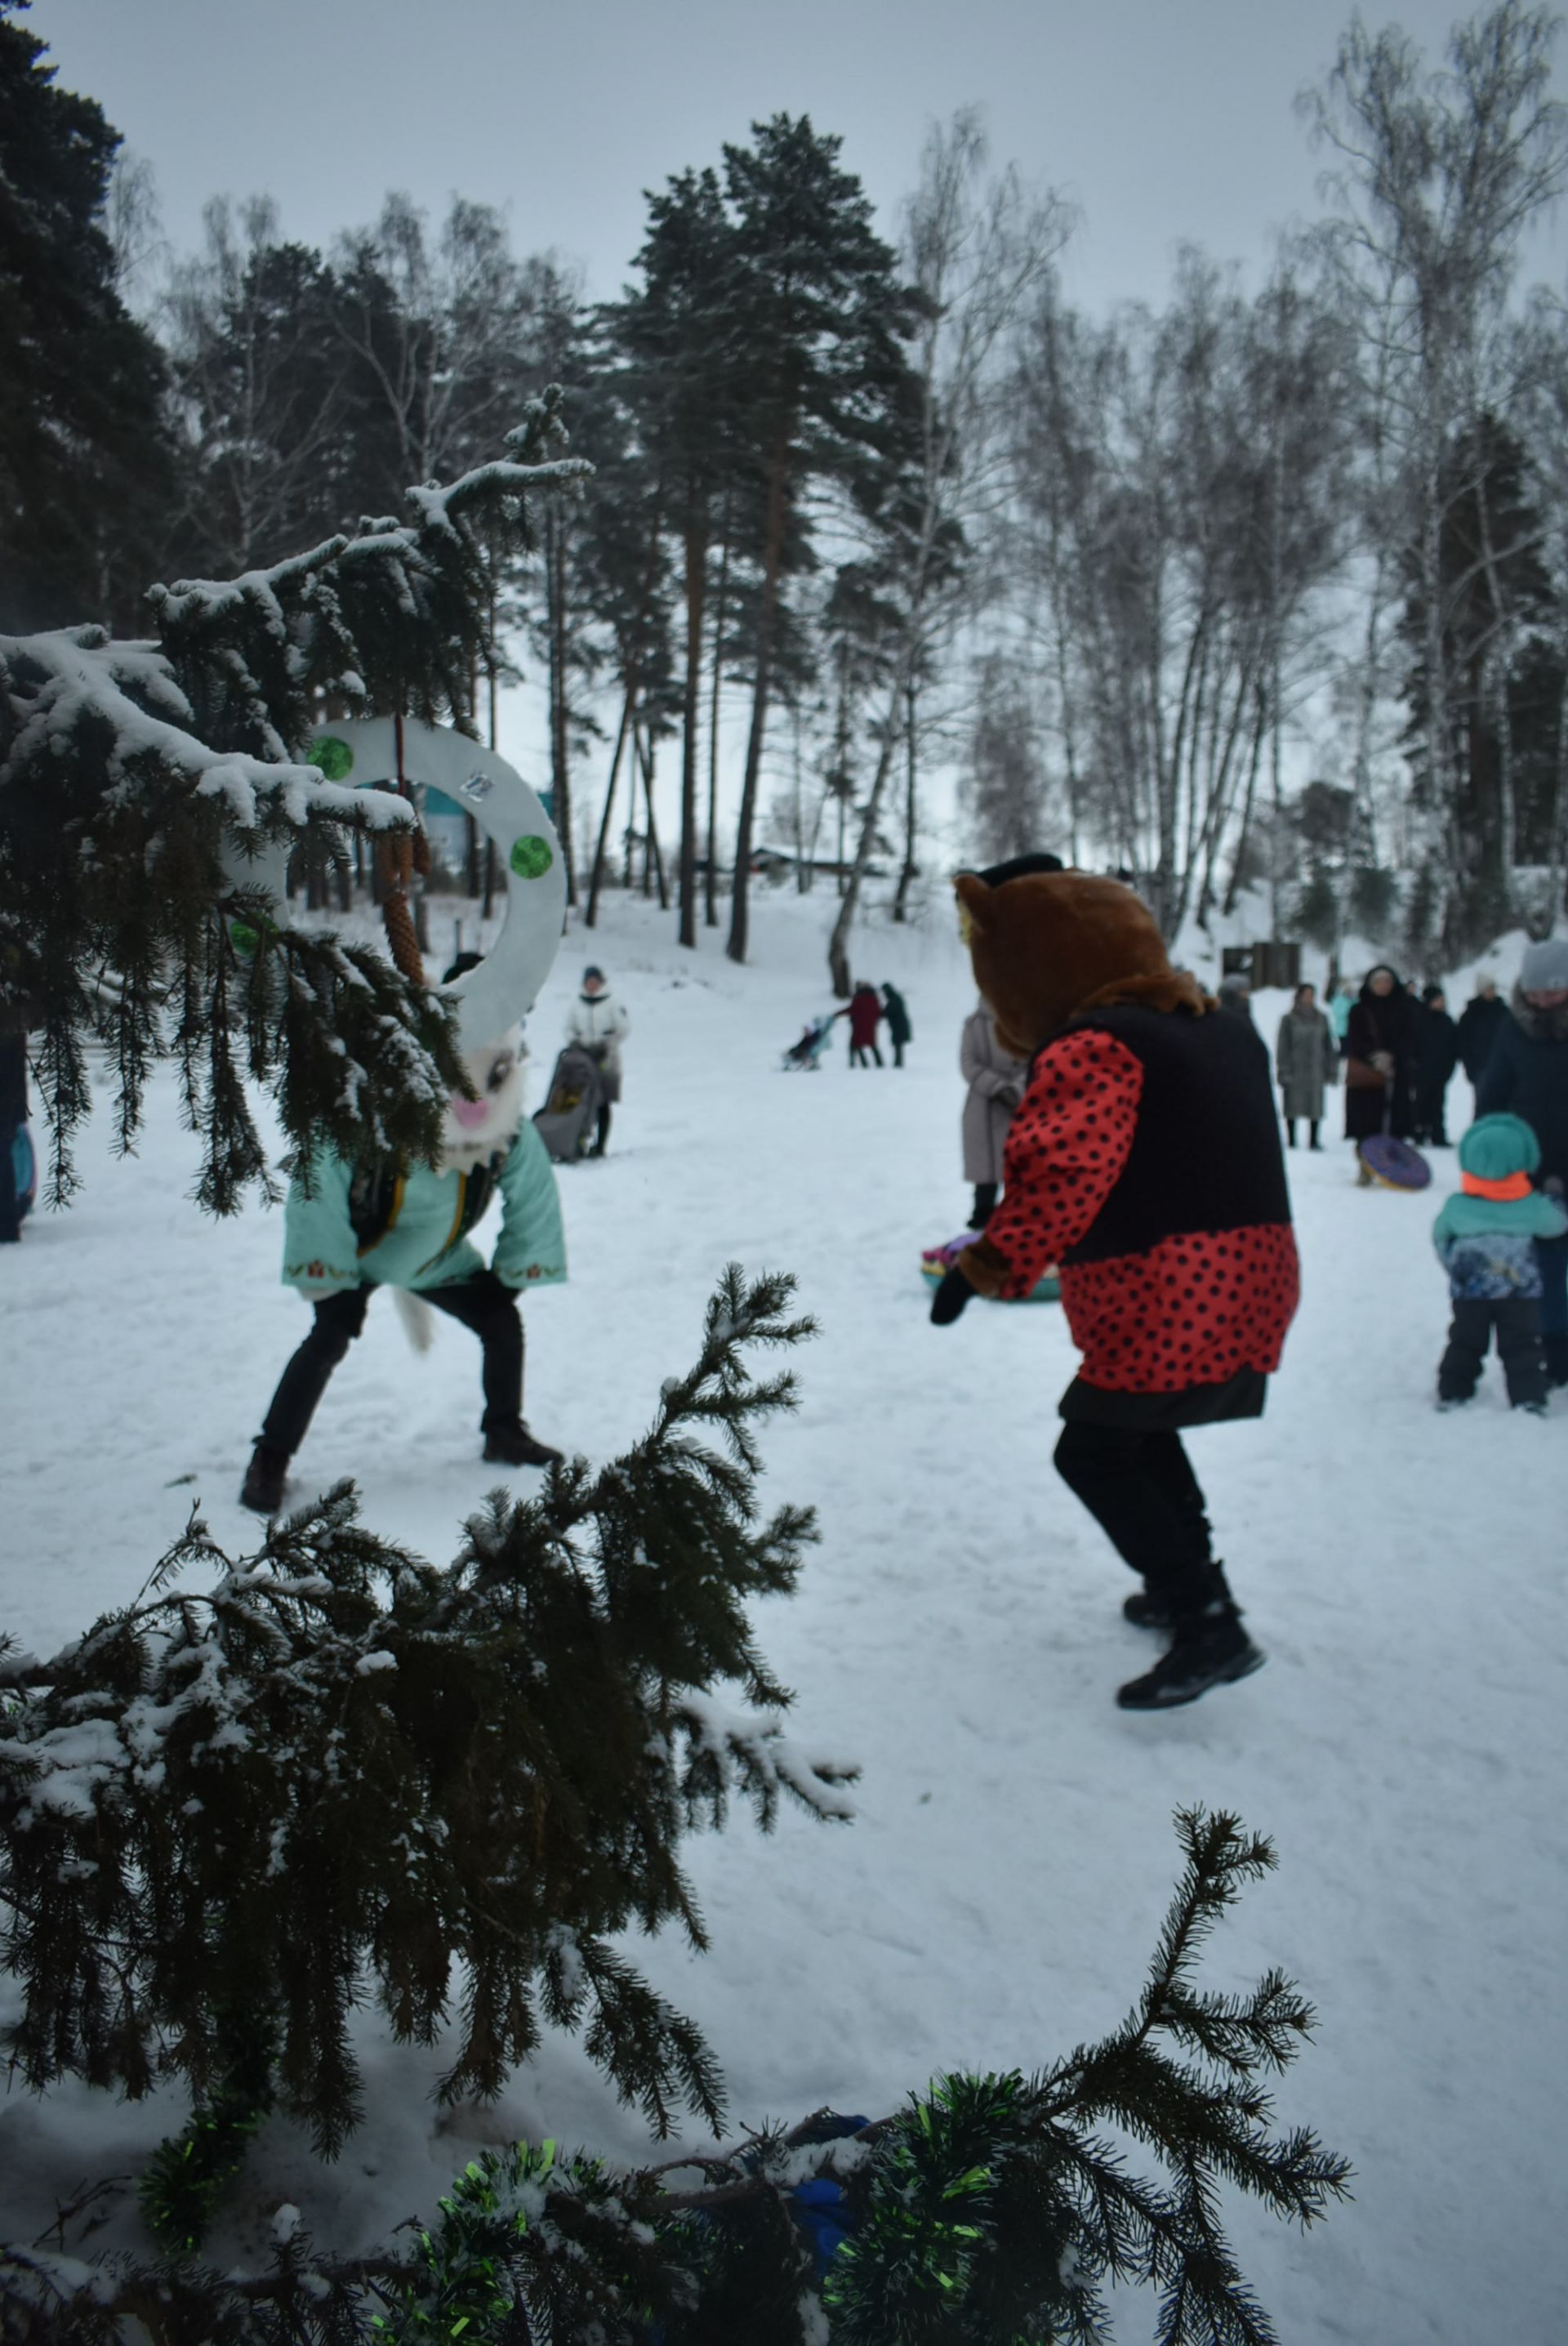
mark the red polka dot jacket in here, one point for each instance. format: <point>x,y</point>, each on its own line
<point>1144,1161</point>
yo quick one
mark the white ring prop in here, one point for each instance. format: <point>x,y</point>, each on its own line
<point>363,751</point>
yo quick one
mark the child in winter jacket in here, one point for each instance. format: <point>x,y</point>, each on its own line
<point>1145,1160</point>
<point>1485,1238</point>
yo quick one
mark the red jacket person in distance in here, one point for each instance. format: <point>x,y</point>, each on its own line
<point>1145,1160</point>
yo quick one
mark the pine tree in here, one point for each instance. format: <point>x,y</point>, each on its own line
<point>823,317</point>
<point>86,471</point>
<point>130,771</point>
<point>685,378</point>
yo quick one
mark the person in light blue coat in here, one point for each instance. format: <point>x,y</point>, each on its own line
<point>349,1231</point>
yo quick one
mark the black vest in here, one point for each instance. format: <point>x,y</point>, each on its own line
<point>1206,1153</point>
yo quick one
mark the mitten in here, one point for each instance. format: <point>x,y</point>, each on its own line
<point>953,1293</point>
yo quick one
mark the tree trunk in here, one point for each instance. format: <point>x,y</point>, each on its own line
<point>900,901</point>
<point>560,776</point>
<point>1557,876</point>
<point>1239,861</point>
<point>596,877</point>
<point>839,942</point>
<point>652,854</point>
<point>696,592</point>
<point>739,907</point>
<point>711,877</point>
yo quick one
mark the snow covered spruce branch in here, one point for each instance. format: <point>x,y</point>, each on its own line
<point>223,1809</point>
<point>125,768</point>
<point>988,2208</point>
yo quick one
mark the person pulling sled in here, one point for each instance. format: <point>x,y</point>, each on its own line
<point>1144,1159</point>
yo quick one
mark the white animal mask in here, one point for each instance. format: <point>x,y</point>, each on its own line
<point>472,1131</point>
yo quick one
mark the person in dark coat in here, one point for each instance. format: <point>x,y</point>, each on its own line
<point>1380,1059</point>
<point>1143,1159</point>
<point>1527,1075</point>
<point>1437,1056</point>
<point>865,1017</point>
<point>1479,1022</point>
<point>900,1030</point>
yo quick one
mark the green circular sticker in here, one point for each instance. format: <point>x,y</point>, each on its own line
<point>531,858</point>
<point>333,757</point>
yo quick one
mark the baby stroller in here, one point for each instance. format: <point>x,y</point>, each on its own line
<point>808,1052</point>
<point>570,1117</point>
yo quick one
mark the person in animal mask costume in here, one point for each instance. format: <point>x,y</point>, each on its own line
<point>1145,1160</point>
<point>349,1229</point>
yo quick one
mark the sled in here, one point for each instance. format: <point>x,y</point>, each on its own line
<point>807,1053</point>
<point>936,1261</point>
<point>23,1170</point>
<point>1394,1164</point>
<point>567,1121</point>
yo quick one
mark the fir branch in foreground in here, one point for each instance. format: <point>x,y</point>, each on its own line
<point>987,2212</point>
<point>132,774</point>
<point>336,1763</point>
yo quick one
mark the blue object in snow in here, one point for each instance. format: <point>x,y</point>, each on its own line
<point>23,1170</point>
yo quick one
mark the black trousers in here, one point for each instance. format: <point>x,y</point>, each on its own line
<point>602,1130</point>
<point>857,1054</point>
<point>1139,1486</point>
<point>483,1303</point>
<point>985,1196</point>
<point>1516,1319</point>
<point>1431,1111</point>
<point>898,1055</point>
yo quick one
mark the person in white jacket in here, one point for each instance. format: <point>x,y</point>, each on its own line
<point>597,1021</point>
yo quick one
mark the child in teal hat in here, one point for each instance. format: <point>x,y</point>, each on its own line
<point>1485,1236</point>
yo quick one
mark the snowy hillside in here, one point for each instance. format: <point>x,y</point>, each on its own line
<point>957,1633</point>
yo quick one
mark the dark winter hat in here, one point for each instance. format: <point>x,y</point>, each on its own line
<point>1497,1146</point>
<point>1545,969</point>
<point>593,970</point>
<point>1431,993</point>
<point>1019,867</point>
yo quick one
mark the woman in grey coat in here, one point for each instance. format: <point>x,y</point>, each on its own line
<point>1306,1061</point>
<point>996,1081</point>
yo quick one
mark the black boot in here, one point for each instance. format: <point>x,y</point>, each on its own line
<point>1208,1649</point>
<point>263,1488</point>
<point>1148,1609</point>
<point>1556,1349</point>
<point>514,1445</point>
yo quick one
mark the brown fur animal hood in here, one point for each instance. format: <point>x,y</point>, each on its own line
<point>1049,945</point>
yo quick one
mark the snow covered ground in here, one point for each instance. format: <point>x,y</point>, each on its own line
<point>957,1632</point>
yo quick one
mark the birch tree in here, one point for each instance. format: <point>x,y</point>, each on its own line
<point>975,248</point>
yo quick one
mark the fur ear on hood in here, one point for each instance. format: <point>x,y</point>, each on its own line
<point>1049,944</point>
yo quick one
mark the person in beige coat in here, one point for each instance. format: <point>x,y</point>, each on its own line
<point>996,1081</point>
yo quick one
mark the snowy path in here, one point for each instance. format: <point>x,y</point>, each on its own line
<point>957,1632</point>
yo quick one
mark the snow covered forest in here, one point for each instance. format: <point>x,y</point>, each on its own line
<point>1266,588</point>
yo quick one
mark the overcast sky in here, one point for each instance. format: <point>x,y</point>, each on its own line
<point>1164,120</point>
